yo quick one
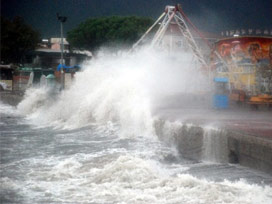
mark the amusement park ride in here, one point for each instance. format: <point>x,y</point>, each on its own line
<point>237,60</point>
<point>173,15</point>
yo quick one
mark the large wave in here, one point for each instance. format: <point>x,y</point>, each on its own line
<point>119,88</point>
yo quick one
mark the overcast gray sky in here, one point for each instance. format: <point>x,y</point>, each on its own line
<point>208,15</point>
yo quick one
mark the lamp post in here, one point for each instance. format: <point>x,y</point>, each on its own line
<point>62,20</point>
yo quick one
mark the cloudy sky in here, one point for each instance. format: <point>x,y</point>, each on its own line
<point>207,15</point>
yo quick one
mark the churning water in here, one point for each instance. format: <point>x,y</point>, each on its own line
<point>98,142</point>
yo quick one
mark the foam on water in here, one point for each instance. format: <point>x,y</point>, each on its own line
<point>128,179</point>
<point>7,109</point>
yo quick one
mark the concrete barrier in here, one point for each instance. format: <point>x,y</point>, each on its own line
<point>11,98</point>
<point>250,151</point>
<point>219,145</point>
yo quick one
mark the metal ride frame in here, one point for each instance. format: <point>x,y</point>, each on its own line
<point>175,14</point>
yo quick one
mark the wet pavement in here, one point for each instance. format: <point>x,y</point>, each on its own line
<point>256,123</point>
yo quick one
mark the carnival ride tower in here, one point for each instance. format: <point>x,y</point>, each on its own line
<point>173,15</point>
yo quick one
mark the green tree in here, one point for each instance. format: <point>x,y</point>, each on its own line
<point>17,38</point>
<point>108,31</point>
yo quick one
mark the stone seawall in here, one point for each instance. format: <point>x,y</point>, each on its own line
<point>220,145</point>
<point>250,151</point>
<point>11,98</point>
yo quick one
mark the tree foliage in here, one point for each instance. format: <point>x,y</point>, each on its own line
<point>108,31</point>
<point>17,38</point>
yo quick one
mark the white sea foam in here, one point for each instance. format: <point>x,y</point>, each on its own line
<point>7,109</point>
<point>130,179</point>
<point>113,88</point>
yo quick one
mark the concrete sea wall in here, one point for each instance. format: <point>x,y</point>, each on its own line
<point>250,151</point>
<point>11,98</point>
<point>219,145</point>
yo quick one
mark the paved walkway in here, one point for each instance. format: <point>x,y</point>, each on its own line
<point>252,122</point>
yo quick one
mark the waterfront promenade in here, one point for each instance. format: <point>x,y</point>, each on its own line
<point>248,133</point>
